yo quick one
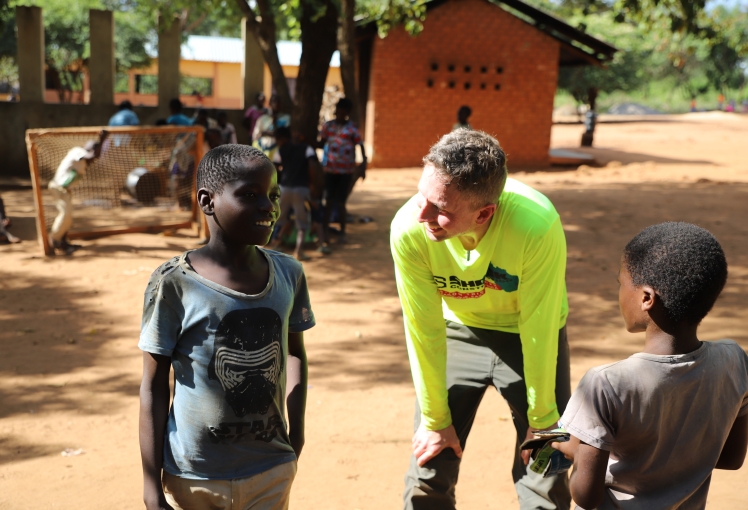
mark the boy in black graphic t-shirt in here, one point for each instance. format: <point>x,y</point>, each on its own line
<point>229,318</point>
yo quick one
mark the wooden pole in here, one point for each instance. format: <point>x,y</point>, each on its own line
<point>92,234</point>
<point>41,225</point>
<point>150,130</point>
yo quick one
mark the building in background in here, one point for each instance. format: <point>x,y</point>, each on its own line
<point>210,69</point>
<point>501,59</point>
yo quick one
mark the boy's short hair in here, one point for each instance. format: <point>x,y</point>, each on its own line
<point>224,164</point>
<point>474,161</point>
<point>175,104</point>
<point>283,132</point>
<point>345,104</point>
<point>683,263</point>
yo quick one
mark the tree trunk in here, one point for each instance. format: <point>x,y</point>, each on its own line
<point>264,32</point>
<point>347,48</point>
<point>592,97</point>
<point>318,41</point>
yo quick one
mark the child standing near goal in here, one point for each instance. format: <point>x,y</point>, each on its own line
<point>72,168</point>
<point>648,431</point>
<point>229,318</point>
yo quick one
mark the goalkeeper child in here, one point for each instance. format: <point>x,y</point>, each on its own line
<point>646,432</point>
<point>72,168</point>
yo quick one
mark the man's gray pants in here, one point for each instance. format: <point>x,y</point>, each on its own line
<point>478,358</point>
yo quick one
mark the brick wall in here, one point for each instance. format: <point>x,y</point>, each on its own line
<point>463,42</point>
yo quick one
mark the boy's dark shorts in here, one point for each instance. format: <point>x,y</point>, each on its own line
<point>337,186</point>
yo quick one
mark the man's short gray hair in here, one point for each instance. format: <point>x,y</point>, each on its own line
<point>472,160</point>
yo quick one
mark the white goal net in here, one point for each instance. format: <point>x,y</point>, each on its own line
<point>143,180</point>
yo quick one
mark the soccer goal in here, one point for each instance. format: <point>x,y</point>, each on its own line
<point>143,180</point>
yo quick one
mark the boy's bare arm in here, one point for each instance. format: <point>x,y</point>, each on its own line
<point>296,385</point>
<point>734,450</point>
<point>587,482</point>
<point>154,411</point>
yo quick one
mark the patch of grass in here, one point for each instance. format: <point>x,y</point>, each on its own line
<point>663,96</point>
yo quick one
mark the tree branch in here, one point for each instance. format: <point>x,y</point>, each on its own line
<point>347,48</point>
<point>192,26</point>
<point>264,32</point>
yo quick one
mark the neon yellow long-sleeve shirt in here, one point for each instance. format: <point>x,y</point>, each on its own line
<point>513,281</point>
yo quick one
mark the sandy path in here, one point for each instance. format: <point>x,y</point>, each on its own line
<point>70,368</point>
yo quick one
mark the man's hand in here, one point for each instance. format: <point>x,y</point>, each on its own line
<point>525,454</point>
<point>427,444</point>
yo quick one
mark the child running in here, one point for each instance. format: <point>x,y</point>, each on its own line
<point>648,431</point>
<point>229,318</point>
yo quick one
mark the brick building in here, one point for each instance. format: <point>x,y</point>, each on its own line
<point>501,59</point>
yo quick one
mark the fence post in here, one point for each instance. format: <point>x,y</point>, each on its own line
<point>101,63</point>
<point>30,53</point>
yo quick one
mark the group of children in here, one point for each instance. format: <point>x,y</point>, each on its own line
<point>218,131</point>
<point>301,186</point>
<point>646,432</point>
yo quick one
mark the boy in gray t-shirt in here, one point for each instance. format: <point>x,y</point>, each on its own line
<point>229,318</point>
<point>648,431</point>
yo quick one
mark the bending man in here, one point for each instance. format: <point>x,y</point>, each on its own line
<point>480,262</point>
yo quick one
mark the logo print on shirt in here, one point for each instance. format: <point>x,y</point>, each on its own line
<point>247,359</point>
<point>503,280</point>
<point>495,278</point>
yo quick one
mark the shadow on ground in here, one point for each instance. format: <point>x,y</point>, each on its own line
<point>599,221</point>
<point>52,342</point>
<point>41,346</point>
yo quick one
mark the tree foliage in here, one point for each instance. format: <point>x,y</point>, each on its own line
<point>391,13</point>
<point>66,35</point>
<point>697,50</point>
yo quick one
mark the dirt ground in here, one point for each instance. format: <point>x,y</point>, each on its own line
<point>70,367</point>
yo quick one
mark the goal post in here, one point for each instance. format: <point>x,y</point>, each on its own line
<point>143,181</point>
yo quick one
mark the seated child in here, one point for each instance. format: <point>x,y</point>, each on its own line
<point>648,431</point>
<point>229,319</point>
